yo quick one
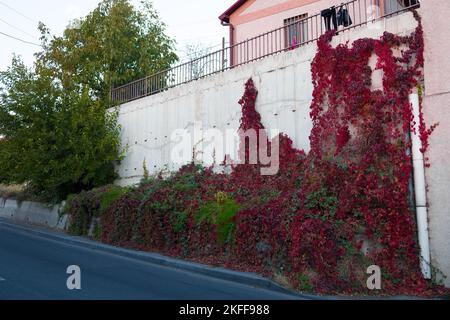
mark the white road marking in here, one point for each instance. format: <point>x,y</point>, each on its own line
<point>2,279</point>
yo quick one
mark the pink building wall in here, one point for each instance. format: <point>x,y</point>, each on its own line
<point>256,17</point>
<point>251,19</point>
<point>249,23</point>
<point>436,109</point>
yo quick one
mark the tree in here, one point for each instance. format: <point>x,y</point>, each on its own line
<point>57,132</point>
<point>113,45</point>
<point>194,54</point>
<point>202,61</point>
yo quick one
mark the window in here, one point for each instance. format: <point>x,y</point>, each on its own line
<point>296,30</point>
<point>391,6</point>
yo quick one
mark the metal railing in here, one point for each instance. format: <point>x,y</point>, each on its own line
<point>289,37</point>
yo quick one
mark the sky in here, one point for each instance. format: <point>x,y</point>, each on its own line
<point>188,22</point>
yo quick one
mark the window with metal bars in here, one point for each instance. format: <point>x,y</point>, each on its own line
<point>391,6</point>
<point>296,30</point>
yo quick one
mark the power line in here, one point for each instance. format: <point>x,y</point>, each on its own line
<point>18,12</point>
<point>18,29</point>
<point>21,40</point>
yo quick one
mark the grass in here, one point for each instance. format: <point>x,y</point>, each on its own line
<point>15,191</point>
<point>10,191</point>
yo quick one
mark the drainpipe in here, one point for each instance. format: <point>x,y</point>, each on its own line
<point>228,24</point>
<point>420,190</point>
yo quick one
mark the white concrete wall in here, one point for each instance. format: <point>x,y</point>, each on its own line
<point>33,213</point>
<point>285,94</point>
<point>285,89</point>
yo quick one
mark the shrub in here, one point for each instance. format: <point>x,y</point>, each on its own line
<point>167,207</point>
<point>80,208</point>
<point>119,220</point>
<point>87,205</point>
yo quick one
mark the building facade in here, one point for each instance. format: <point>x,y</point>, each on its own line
<point>250,18</point>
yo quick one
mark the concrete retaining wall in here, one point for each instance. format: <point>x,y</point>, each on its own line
<point>33,213</point>
<point>285,93</point>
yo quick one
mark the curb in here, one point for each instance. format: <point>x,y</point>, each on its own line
<point>250,279</point>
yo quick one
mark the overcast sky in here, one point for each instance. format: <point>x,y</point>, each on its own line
<point>189,21</point>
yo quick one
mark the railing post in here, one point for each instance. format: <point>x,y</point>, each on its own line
<point>145,87</point>
<point>223,53</point>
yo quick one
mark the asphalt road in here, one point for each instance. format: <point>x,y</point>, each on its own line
<point>33,267</point>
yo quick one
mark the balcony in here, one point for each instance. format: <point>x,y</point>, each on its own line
<point>293,35</point>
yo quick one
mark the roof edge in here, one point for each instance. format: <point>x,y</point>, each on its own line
<point>225,17</point>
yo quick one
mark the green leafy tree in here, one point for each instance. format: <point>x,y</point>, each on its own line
<point>58,142</point>
<point>113,45</point>
<point>57,133</point>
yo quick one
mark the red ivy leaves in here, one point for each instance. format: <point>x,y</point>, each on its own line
<point>342,138</point>
<point>380,167</point>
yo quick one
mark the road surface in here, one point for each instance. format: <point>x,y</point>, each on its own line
<point>33,267</point>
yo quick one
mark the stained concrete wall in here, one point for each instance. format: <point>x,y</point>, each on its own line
<point>33,213</point>
<point>285,94</point>
<point>436,24</point>
<point>284,84</point>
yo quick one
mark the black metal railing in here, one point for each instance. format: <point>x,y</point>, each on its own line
<point>289,37</point>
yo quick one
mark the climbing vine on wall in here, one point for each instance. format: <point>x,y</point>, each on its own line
<point>354,187</point>
<point>359,154</point>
